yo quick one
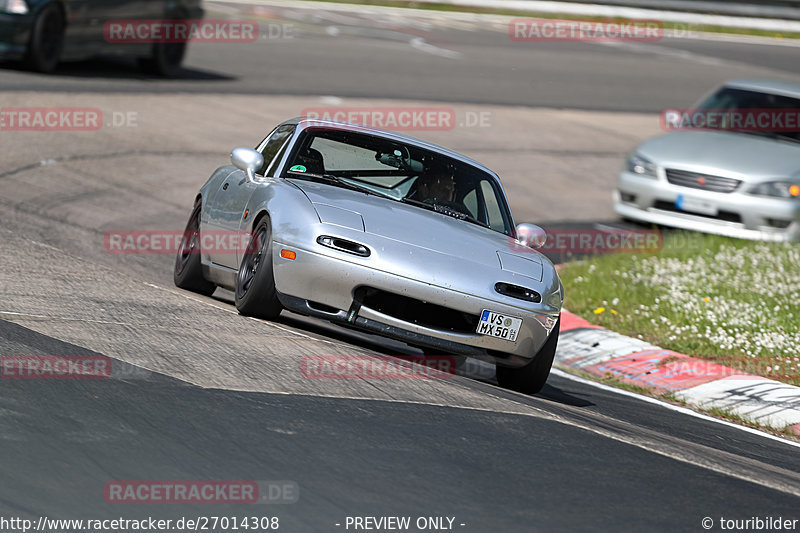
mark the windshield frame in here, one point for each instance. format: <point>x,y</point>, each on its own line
<point>305,133</point>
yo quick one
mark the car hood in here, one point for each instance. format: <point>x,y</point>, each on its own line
<point>738,155</point>
<point>419,227</point>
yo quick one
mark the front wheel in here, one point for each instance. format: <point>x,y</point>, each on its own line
<point>47,40</point>
<point>531,378</point>
<point>255,285</point>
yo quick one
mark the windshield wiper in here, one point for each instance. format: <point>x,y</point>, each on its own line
<point>449,211</point>
<point>335,180</point>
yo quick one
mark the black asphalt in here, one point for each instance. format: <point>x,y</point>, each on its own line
<point>371,56</point>
<point>61,441</point>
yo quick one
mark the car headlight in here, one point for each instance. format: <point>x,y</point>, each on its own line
<point>18,7</point>
<point>641,166</point>
<point>777,189</point>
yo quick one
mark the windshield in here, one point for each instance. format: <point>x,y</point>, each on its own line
<point>403,173</point>
<point>770,105</point>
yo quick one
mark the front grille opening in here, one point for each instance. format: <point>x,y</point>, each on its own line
<point>706,182</point>
<point>778,223</point>
<point>727,216</point>
<point>520,293</point>
<point>317,306</point>
<point>418,312</point>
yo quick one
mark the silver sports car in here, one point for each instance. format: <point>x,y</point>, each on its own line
<point>381,232</point>
<point>737,173</point>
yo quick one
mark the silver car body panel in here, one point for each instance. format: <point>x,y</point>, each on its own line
<point>415,253</point>
<point>750,159</point>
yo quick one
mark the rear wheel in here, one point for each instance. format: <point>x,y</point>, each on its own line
<point>47,40</point>
<point>531,378</point>
<point>188,273</point>
<point>255,285</point>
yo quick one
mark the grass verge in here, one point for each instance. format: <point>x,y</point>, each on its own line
<point>730,301</point>
<point>678,26</point>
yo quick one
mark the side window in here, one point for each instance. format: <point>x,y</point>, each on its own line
<point>273,167</point>
<point>470,201</point>
<point>277,140</point>
<point>493,210</point>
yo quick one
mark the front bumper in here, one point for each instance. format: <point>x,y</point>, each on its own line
<point>739,214</point>
<point>331,278</point>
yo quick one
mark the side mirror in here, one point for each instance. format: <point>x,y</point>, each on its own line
<point>531,235</point>
<point>248,160</point>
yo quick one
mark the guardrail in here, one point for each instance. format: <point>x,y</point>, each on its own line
<point>782,9</point>
<point>774,16</point>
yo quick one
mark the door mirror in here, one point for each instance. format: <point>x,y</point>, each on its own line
<point>248,160</point>
<point>531,235</point>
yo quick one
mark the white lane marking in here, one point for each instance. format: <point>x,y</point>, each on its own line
<point>672,407</point>
<point>606,227</point>
<point>331,100</point>
<point>668,52</point>
<point>532,412</point>
<point>536,412</point>
<point>420,44</point>
<point>680,455</point>
<point>555,371</point>
<point>417,43</point>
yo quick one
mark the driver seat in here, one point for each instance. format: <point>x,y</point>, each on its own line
<point>313,161</point>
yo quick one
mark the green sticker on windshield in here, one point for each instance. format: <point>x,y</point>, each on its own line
<point>298,168</point>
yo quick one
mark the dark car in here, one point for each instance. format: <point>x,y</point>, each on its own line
<point>44,32</point>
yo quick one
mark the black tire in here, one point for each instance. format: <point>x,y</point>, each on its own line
<point>255,284</point>
<point>46,40</point>
<point>531,378</point>
<point>165,59</point>
<point>188,273</point>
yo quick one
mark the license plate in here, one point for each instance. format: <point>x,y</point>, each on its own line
<point>695,205</point>
<point>499,325</point>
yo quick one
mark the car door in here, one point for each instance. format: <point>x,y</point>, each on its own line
<point>233,197</point>
<point>97,14</point>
